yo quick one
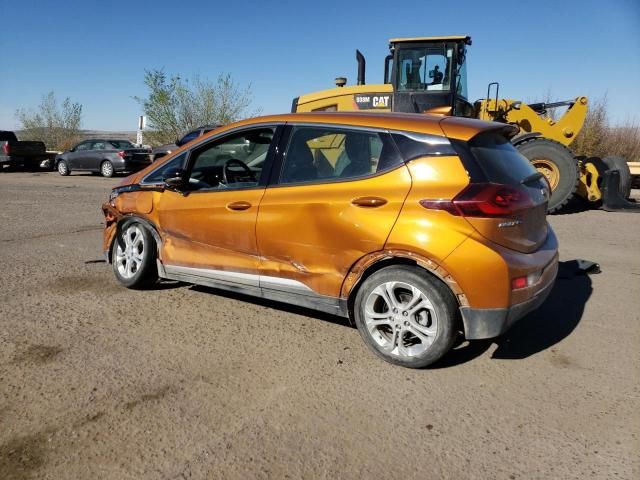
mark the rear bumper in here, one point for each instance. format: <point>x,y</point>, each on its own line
<point>481,323</point>
<point>22,160</point>
<point>130,165</point>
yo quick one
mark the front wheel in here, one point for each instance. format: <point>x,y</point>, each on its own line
<point>406,316</point>
<point>133,256</point>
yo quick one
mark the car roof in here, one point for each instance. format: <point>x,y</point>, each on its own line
<point>456,127</point>
<point>466,38</point>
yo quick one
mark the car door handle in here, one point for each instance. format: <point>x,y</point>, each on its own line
<point>237,206</point>
<point>369,202</point>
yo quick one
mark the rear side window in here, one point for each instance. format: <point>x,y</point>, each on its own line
<point>499,160</point>
<point>120,144</point>
<point>319,154</point>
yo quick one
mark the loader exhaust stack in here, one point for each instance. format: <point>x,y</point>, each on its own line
<point>361,67</point>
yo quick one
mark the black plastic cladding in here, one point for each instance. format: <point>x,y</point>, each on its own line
<point>418,145</point>
<point>476,174</point>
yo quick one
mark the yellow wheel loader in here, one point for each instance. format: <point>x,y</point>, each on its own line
<point>429,75</point>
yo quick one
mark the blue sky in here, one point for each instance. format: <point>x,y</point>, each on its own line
<point>96,52</point>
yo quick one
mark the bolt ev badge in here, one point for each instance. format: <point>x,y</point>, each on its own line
<point>512,223</point>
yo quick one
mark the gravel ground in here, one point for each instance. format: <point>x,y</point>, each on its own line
<point>182,382</point>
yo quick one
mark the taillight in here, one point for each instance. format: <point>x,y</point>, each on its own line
<point>526,280</point>
<point>519,282</point>
<point>6,149</point>
<point>121,154</point>
<point>484,200</point>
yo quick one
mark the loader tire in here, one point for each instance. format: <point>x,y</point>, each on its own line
<point>616,162</point>
<point>556,163</point>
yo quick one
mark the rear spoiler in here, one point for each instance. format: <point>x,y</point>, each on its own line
<point>466,128</point>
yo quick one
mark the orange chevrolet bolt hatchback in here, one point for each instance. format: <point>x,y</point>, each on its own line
<point>416,227</point>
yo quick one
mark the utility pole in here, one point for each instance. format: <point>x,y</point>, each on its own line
<point>142,122</point>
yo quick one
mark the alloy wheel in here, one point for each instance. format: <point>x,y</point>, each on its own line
<point>401,319</point>
<point>129,260</point>
<point>106,169</point>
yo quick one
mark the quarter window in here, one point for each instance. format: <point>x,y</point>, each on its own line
<point>328,154</point>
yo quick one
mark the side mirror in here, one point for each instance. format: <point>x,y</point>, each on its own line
<point>71,150</point>
<point>178,143</point>
<point>173,178</point>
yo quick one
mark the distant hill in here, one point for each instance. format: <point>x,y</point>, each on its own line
<point>108,134</point>
<point>105,134</point>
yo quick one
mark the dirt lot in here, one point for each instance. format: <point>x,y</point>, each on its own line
<point>97,381</point>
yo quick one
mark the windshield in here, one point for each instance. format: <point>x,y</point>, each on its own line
<point>425,68</point>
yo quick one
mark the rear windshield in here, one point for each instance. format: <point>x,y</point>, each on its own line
<point>499,160</point>
<point>121,143</point>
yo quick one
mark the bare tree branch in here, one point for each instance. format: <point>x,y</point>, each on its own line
<point>57,128</point>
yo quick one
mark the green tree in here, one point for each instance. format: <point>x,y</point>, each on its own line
<point>57,126</point>
<point>174,105</point>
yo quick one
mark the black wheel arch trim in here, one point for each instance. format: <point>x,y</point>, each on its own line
<point>390,260</point>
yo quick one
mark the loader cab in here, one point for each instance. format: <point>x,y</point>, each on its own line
<point>429,75</point>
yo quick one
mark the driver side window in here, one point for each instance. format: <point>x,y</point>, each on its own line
<point>235,161</point>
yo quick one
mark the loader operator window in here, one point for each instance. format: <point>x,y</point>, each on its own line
<point>423,68</point>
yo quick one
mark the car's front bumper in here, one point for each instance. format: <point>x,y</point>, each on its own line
<point>480,323</point>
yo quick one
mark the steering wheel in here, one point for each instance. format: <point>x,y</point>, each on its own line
<point>226,172</point>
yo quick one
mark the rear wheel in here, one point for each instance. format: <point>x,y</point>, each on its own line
<point>557,164</point>
<point>133,256</point>
<point>63,168</point>
<point>106,169</point>
<point>406,316</point>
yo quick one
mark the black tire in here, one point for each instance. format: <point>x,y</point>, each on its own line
<point>615,162</point>
<point>106,169</point>
<point>444,305</point>
<point>539,148</point>
<point>63,168</point>
<point>145,273</point>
